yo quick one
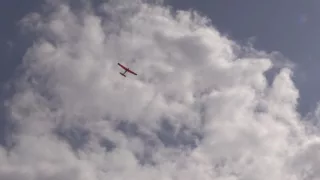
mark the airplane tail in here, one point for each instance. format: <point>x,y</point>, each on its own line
<point>123,74</point>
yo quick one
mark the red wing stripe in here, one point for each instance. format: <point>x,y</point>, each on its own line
<point>122,66</point>
<point>131,72</point>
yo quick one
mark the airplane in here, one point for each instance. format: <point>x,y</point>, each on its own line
<point>126,70</point>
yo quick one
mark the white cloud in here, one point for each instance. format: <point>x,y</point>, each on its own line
<point>195,111</point>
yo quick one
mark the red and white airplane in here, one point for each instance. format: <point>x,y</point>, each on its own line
<point>126,70</point>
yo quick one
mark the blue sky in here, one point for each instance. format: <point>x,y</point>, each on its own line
<point>13,44</point>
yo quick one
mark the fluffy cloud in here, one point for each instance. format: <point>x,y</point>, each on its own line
<point>200,107</point>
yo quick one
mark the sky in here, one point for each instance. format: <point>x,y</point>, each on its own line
<point>203,105</point>
<point>289,27</point>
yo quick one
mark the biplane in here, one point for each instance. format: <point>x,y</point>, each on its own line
<point>126,70</point>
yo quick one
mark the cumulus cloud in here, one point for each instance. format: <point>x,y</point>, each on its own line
<point>197,109</point>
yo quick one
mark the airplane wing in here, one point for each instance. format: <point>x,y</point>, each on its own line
<point>123,66</point>
<point>131,72</point>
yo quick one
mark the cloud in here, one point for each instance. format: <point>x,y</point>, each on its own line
<point>196,110</point>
